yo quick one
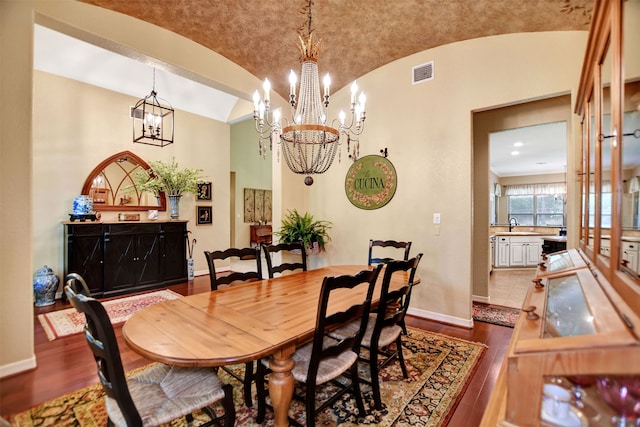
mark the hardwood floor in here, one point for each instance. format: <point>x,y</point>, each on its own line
<point>66,364</point>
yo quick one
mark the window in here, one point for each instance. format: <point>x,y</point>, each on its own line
<point>549,210</point>
<point>537,205</point>
<point>522,208</point>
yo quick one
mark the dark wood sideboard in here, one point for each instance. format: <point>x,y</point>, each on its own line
<point>126,257</point>
<point>260,234</point>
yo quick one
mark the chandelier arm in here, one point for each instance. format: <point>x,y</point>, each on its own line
<point>353,127</point>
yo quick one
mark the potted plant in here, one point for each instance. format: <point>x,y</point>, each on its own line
<point>304,228</point>
<point>168,178</point>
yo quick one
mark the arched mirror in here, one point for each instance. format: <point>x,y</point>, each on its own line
<point>112,188</point>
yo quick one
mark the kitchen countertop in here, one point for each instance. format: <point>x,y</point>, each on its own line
<point>518,233</point>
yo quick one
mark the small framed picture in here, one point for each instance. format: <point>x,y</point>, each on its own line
<point>204,191</point>
<point>203,215</point>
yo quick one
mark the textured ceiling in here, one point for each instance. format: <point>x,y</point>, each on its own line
<point>357,36</point>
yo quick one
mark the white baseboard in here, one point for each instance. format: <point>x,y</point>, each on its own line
<point>17,367</point>
<point>478,298</point>
<point>439,317</point>
<point>203,272</point>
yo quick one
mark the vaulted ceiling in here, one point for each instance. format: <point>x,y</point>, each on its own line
<point>357,36</point>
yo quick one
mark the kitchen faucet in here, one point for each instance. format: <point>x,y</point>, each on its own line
<point>512,223</point>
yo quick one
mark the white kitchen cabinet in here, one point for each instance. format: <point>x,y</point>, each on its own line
<point>605,247</point>
<point>533,253</point>
<point>517,254</point>
<point>630,255</point>
<point>525,251</point>
<point>518,251</point>
<point>502,252</point>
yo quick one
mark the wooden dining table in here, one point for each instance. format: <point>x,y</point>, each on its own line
<point>247,322</point>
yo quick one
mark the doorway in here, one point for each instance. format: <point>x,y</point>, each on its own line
<point>548,110</point>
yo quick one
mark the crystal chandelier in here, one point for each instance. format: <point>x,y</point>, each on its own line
<point>152,120</point>
<point>308,143</point>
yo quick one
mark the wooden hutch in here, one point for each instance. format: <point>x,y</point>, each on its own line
<point>581,316</point>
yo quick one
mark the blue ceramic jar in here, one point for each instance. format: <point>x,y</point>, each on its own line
<point>82,205</point>
<point>45,285</point>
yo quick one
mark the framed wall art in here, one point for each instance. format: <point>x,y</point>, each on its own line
<point>204,191</point>
<point>204,215</point>
<point>257,205</point>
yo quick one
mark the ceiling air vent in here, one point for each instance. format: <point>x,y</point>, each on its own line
<point>135,114</point>
<point>422,73</point>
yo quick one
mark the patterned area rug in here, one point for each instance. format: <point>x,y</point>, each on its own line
<point>496,314</point>
<point>59,323</point>
<point>439,369</point>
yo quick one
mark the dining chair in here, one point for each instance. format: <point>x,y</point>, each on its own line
<point>155,394</point>
<point>387,244</point>
<point>236,278</point>
<point>325,359</point>
<point>296,248</point>
<point>385,324</point>
<point>80,283</point>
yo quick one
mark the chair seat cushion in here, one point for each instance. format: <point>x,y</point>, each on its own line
<point>388,335</point>
<point>163,393</point>
<point>329,368</point>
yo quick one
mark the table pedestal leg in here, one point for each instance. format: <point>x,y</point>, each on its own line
<point>281,384</point>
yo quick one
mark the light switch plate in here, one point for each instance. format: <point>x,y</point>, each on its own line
<point>436,218</point>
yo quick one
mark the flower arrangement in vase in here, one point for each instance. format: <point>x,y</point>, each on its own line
<point>170,179</point>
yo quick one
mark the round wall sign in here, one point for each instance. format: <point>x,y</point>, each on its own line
<point>371,182</point>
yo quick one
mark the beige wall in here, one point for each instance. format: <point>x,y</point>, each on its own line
<point>426,128</point>
<point>79,125</point>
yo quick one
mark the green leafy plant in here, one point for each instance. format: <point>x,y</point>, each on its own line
<point>303,228</point>
<point>167,178</point>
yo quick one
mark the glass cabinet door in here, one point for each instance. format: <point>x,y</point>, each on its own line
<point>604,132</point>
<point>630,143</point>
<point>567,311</point>
<point>591,183</point>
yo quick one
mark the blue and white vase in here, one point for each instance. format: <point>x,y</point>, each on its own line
<point>82,205</point>
<point>45,285</point>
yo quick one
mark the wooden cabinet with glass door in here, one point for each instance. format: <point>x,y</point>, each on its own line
<point>574,325</point>
<point>586,320</point>
<point>574,331</point>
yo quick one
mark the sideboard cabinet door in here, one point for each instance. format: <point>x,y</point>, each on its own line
<point>83,254</point>
<point>174,249</point>
<point>132,256</point>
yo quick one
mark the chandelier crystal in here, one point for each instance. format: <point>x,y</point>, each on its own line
<point>309,144</point>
